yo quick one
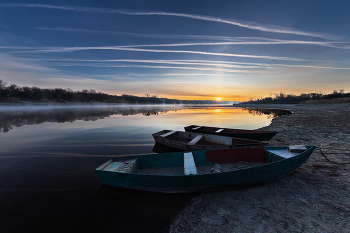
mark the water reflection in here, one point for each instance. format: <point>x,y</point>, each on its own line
<point>271,113</point>
<point>17,117</point>
<point>34,116</point>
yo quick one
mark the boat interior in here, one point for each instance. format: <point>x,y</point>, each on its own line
<point>197,162</point>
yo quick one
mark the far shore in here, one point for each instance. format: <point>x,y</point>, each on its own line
<point>315,198</point>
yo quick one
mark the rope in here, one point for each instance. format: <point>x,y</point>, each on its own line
<point>329,159</point>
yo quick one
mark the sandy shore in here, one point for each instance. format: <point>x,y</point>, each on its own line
<point>315,198</point>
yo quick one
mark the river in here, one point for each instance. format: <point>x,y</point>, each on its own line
<point>48,156</point>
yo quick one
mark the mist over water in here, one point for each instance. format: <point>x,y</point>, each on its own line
<point>46,107</point>
<point>17,116</point>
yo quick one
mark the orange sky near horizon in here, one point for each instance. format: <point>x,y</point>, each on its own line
<point>242,95</point>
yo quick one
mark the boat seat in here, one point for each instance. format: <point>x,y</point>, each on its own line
<point>197,128</point>
<point>195,140</point>
<point>167,134</point>
<point>127,166</point>
<point>189,165</point>
<point>283,153</point>
<point>297,148</point>
<point>219,130</point>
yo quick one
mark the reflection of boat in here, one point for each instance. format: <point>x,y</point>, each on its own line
<point>161,148</point>
<point>189,141</point>
<point>181,172</point>
<point>238,133</point>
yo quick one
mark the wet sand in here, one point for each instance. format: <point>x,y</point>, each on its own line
<point>315,198</point>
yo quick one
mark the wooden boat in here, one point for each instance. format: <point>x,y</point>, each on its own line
<point>181,172</point>
<point>238,133</point>
<point>189,141</point>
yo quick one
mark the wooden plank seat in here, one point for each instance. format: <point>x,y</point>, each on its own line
<point>195,140</point>
<point>219,130</point>
<point>284,154</point>
<point>167,134</point>
<point>197,128</point>
<point>189,165</point>
<point>127,166</point>
<point>297,148</point>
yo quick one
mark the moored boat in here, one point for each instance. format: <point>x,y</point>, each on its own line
<point>181,172</point>
<point>259,135</point>
<point>190,141</point>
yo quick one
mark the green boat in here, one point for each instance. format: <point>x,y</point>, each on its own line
<point>202,171</point>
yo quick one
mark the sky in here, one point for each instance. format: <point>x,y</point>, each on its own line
<point>233,50</point>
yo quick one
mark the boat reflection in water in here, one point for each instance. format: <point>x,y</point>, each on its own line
<point>161,148</point>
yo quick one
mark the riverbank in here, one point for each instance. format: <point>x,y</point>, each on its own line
<point>315,198</point>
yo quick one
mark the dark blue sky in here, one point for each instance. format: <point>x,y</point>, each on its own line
<point>177,49</point>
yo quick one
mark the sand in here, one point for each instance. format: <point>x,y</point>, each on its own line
<point>315,198</point>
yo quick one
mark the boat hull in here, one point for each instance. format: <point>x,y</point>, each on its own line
<point>205,182</point>
<point>213,142</point>
<point>237,133</point>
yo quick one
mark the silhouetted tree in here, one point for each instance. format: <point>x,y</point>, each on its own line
<point>282,98</point>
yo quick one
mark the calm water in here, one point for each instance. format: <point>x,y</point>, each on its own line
<point>48,157</point>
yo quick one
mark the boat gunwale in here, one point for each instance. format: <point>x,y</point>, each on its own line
<point>230,130</point>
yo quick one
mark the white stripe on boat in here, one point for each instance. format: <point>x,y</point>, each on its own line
<point>196,128</point>
<point>167,134</point>
<point>189,165</point>
<point>219,130</point>
<point>195,140</point>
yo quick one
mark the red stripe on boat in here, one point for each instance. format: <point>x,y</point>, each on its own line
<point>236,155</point>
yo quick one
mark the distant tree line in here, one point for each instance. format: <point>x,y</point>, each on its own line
<point>282,98</point>
<point>16,94</point>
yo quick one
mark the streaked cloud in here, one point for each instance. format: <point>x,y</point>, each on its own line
<point>224,64</point>
<point>341,45</point>
<point>170,62</point>
<point>132,34</point>
<point>233,40</point>
<point>239,23</point>
<point>165,67</point>
<point>123,48</point>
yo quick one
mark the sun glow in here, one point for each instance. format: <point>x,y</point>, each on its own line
<point>218,99</point>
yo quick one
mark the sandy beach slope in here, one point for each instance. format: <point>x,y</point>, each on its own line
<point>315,198</point>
